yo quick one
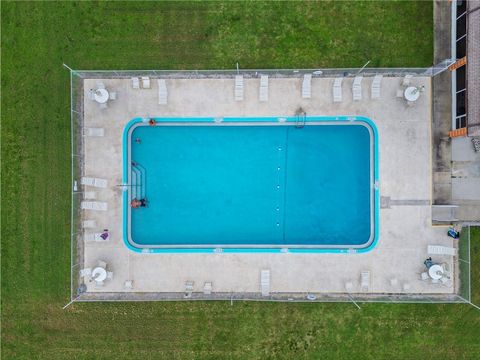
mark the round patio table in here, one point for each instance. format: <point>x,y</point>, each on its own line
<point>435,272</point>
<point>99,274</point>
<point>101,96</point>
<point>411,93</point>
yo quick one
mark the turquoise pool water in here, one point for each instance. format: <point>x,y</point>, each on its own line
<point>250,184</point>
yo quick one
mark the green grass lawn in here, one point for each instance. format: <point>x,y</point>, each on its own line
<point>38,37</point>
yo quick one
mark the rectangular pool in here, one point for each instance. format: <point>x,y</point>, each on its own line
<point>250,184</point>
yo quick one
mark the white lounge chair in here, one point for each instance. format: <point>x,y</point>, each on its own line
<point>162,92</point>
<point>207,288</point>
<point>128,284</point>
<point>441,250</point>
<point>376,86</point>
<point>238,88</point>
<point>263,92</point>
<point>424,276</point>
<point>95,182</point>
<point>100,85</point>
<point>94,132</point>
<point>87,272</point>
<point>89,224</point>
<point>406,287</point>
<point>265,282</point>
<point>89,195</point>
<point>87,181</point>
<point>93,237</point>
<point>357,88</point>
<point>349,286</point>
<point>94,205</point>
<point>307,86</point>
<point>446,281</point>
<point>365,280</point>
<point>145,82</point>
<point>91,94</point>
<point>110,275</point>
<point>112,95</point>
<point>102,264</point>
<point>337,89</point>
<point>188,289</point>
<point>446,269</point>
<point>135,83</point>
<point>103,106</point>
<point>444,278</point>
<point>406,80</point>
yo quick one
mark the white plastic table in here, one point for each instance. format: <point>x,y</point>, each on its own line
<point>435,272</point>
<point>99,274</point>
<point>101,96</point>
<point>411,93</point>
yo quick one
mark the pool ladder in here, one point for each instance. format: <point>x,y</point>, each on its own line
<point>301,119</point>
<point>138,182</point>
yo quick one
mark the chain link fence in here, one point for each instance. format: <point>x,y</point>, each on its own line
<point>462,263</point>
<point>77,148</point>
<point>252,73</point>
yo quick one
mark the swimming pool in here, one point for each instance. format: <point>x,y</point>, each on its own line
<point>251,184</point>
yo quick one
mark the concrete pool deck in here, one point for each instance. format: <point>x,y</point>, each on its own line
<point>405,185</point>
